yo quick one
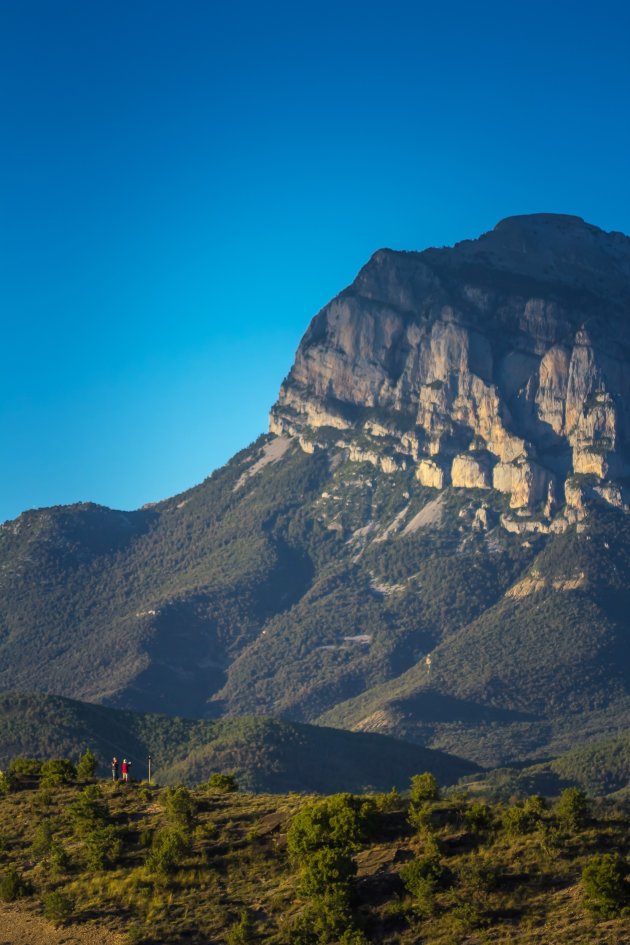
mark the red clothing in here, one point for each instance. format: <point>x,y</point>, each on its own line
<point>124,767</point>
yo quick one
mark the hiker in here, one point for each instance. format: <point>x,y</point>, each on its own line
<point>114,769</point>
<point>126,765</point>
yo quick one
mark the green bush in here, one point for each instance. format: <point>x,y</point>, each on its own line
<point>22,767</point>
<point>12,885</point>
<point>340,821</point>
<point>180,807</point>
<point>327,919</point>
<point>390,801</point>
<point>87,765</point>
<point>58,859</point>
<point>477,816</point>
<point>223,783</point>
<point>167,849</point>
<point>57,771</point>
<point>605,885</point>
<point>424,787</point>
<point>516,821</point>
<point>43,839</point>
<point>536,806</point>
<point>58,907</point>
<point>420,817</point>
<point>102,846</point>
<point>325,870</point>
<point>422,878</point>
<point>572,808</point>
<point>7,782</point>
<point>478,874</point>
<point>89,810</point>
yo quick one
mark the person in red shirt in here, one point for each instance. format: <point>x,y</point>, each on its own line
<point>125,769</point>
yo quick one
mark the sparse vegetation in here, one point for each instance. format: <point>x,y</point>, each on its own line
<point>205,865</point>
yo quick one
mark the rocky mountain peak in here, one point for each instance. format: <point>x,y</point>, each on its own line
<point>498,363</point>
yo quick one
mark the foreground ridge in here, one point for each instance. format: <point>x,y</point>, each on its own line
<point>111,862</point>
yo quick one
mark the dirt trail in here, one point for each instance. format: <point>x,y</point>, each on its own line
<point>25,928</point>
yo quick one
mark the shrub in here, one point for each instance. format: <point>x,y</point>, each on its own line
<point>102,847</point>
<point>478,874</point>
<point>12,885</point>
<point>549,838</point>
<point>58,907</point>
<point>477,816</point>
<point>325,870</point>
<point>57,771</point>
<point>25,767</point>
<point>327,919</point>
<point>535,805</point>
<point>424,787</point>
<point>572,808</point>
<point>339,821</point>
<point>58,859</point>
<point>516,821</point>
<point>391,801</point>
<point>168,846</point>
<point>87,765</point>
<point>43,839</point>
<point>7,782</point>
<point>89,810</point>
<point>422,878</point>
<point>605,886</point>
<point>223,783</point>
<point>420,817</point>
<point>180,807</point>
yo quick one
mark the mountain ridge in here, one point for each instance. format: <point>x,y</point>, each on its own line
<point>434,566</point>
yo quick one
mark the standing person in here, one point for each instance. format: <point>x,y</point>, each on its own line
<point>125,769</point>
<point>114,768</point>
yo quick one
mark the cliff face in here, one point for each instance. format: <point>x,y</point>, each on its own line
<point>500,363</point>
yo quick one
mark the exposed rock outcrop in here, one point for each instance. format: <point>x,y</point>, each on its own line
<point>502,361</point>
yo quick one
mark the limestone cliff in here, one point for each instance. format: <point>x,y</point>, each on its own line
<point>500,363</point>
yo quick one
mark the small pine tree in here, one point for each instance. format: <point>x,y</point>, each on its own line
<point>12,885</point>
<point>58,907</point>
<point>572,808</point>
<point>605,886</point>
<point>57,771</point>
<point>87,765</point>
<point>424,788</point>
<point>223,783</point>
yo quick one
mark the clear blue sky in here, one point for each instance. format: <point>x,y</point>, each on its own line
<point>183,184</point>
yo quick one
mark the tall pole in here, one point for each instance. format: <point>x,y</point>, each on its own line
<point>149,769</point>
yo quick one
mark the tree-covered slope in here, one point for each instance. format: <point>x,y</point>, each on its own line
<point>288,584</point>
<point>434,542</point>
<point>264,754</point>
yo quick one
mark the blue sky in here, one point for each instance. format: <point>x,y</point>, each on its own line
<point>184,184</point>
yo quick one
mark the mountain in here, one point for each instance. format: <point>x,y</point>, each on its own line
<point>265,754</point>
<point>431,543</point>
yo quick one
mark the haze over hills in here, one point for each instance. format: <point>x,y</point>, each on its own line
<point>432,542</point>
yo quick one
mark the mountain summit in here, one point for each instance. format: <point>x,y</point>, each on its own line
<point>500,363</point>
<point>431,543</point>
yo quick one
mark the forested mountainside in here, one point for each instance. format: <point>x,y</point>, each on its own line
<point>262,754</point>
<point>433,543</point>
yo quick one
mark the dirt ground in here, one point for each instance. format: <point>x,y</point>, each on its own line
<point>25,928</point>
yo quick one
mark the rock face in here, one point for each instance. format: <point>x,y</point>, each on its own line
<point>500,363</point>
